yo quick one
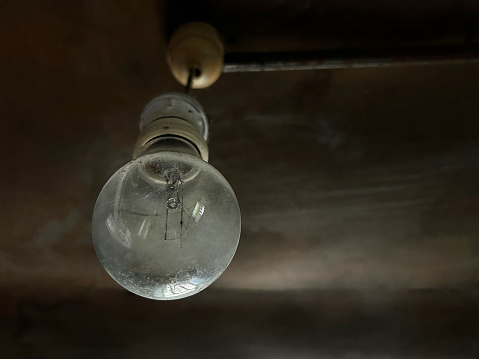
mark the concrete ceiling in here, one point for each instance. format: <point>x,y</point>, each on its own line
<point>363,182</point>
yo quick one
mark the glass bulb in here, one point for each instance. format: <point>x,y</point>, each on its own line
<point>166,225</point>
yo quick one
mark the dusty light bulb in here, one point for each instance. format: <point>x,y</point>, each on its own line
<point>167,224</point>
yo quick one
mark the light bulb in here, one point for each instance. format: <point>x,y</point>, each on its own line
<point>167,224</point>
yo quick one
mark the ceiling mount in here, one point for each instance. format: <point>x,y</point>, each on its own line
<point>195,55</point>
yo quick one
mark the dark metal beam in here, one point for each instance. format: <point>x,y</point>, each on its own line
<point>348,58</point>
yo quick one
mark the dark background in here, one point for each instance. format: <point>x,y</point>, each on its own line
<point>359,188</point>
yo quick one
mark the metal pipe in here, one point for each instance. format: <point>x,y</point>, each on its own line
<point>336,59</point>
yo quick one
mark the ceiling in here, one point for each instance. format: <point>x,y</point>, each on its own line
<point>359,188</point>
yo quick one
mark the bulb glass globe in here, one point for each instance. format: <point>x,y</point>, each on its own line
<point>166,225</point>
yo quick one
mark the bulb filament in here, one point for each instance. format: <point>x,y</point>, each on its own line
<point>174,201</point>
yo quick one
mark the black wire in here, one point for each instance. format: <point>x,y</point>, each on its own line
<point>193,74</point>
<point>190,81</point>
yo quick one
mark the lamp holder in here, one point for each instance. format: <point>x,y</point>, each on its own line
<point>173,122</point>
